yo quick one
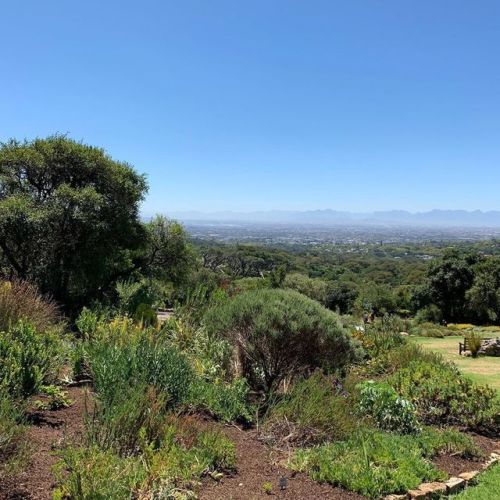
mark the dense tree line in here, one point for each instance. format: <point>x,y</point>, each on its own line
<point>70,224</point>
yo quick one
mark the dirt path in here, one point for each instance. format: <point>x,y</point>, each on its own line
<point>47,432</point>
<point>256,465</point>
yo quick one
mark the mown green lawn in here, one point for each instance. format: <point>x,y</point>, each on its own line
<point>484,369</point>
<point>487,489</point>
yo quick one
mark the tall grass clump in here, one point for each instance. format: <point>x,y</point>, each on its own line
<point>19,300</point>
<point>12,433</point>
<point>169,467</point>
<point>474,341</point>
<point>314,411</point>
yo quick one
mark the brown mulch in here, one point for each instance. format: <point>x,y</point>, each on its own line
<point>454,465</point>
<point>48,430</point>
<point>257,465</point>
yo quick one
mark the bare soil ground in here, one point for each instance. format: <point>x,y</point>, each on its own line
<point>454,465</point>
<point>256,463</point>
<point>48,430</point>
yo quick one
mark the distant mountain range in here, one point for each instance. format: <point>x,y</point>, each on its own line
<point>443,218</point>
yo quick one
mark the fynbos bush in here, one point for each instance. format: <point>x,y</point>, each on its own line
<point>28,359</point>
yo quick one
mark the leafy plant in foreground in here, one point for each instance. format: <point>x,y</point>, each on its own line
<point>390,411</point>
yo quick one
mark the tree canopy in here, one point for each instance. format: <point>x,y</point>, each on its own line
<point>68,216</point>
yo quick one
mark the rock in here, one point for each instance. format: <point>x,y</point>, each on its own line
<point>493,459</point>
<point>404,334</point>
<point>396,497</point>
<point>454,485</point>
<point>490,347</point>
<point>469,476</point>
<point>417,494</point>
<point>433,490</point>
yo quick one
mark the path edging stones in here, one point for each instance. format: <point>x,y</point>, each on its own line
<point>450,487</point>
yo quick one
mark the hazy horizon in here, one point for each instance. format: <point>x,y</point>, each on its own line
<point>433,218</point>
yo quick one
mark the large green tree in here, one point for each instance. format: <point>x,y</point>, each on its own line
<point>169,255</point>
<point>68,216</point>
<point>448,281</point>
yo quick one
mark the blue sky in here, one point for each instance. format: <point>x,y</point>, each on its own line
<point>247,105</point>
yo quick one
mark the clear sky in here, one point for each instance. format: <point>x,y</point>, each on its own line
<point>266,104</point>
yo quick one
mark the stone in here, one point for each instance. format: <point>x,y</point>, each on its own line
<point>490,347</point>
<point>494,457</point>
<point>454,485</point>
<point>433,490</point>
<point>469,476</point>
<point>404,334</point>
<point>417,494</point>
<point>396,497</point>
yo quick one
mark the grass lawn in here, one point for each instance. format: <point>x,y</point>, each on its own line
<point>485,369</point>
<point>487,489</point>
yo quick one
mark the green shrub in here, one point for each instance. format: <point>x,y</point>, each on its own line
<point>144,359</point>
<point>314,288</point>
<point>390,411</point>
<point>370,463</point>
<point>429,314</point>
<point>314,411</point>
<point>145,314</point>
<point>55,398</point>
<point>442,395</point>
<point>281,332</point>
<point>28,359</point>
<point>226,402</point>
<point>388,362</point>
<point>169,467</point>
<point>447,441</point>
<point>382,336</point>
<point>427,329</point>
<point>121,423</point>
<point>87,322</point>
<point>98,474</point>
<point>12,432</point>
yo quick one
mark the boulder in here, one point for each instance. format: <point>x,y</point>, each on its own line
<point>490,347</point>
